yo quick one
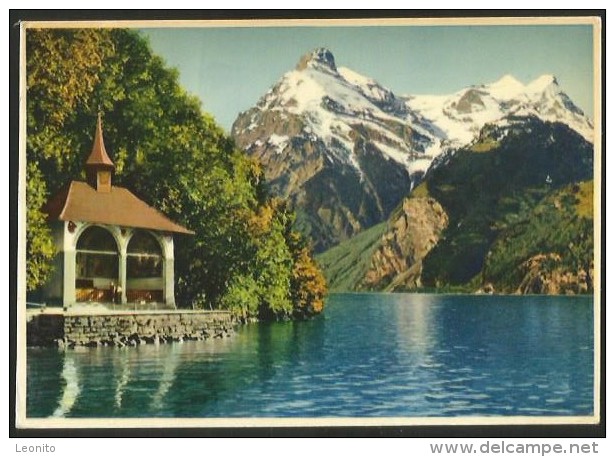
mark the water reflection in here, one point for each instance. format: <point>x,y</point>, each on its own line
<point>369,355</point>
<point>414,318</point>
<point>167,377</point>
<point>124,369</point>
<point>71,387</point>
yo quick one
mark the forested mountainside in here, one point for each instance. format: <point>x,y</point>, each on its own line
<point>510,213</point>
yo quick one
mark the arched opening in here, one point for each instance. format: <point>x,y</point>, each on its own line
<point>144,269</point>
<point>97,266</point>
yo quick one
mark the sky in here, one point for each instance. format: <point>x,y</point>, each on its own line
<point>229,69</point>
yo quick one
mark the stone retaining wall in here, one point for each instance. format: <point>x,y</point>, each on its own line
<point>44,329</point>
<point>69,330</point>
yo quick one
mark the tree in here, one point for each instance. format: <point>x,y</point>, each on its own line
<point>308,284</point>
<point>167,151</point>
<point>62,70</point>
<point>39,245</point>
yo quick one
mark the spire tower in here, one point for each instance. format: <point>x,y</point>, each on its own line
<point>99,168</point>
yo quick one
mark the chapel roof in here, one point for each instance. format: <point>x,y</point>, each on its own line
<point>80,202</point>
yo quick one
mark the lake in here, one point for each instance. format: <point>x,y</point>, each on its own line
<point>368,355</point>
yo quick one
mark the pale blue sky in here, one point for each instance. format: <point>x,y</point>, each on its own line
<point>230,68</point>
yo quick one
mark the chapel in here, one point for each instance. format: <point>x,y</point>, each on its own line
<point>113,249</point>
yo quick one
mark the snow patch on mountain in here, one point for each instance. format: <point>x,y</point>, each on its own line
<point>462,114</point>
<point>505,88</point>
<point>541,84</point>
<point>332,102</point>
<point>279,142</point>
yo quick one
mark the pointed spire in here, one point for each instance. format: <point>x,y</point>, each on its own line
<point>99,156</point>
<point>99,166</point>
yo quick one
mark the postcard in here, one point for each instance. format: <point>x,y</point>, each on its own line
<point>243,223</point>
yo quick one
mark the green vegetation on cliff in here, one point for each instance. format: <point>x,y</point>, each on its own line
<point>512,213</point>
<point>486,192</point>
<point>345,264</point>
<point>548,249</point>
<point>244,255</point>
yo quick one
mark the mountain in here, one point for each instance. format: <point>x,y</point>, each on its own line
<point>510,213</point>
<point>346,150</point>
<point>343,148</point>
<point>462,115</point>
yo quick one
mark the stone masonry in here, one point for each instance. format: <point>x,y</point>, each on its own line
<point>127,329</point>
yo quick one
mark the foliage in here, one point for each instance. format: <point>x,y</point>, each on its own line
<point>486,194</point>
<point>168,153</point>
<point>484,145</point>
<point>345,264</point>
<point>533,233</point>
<point>308,284</point>
<point>40,248</point>
<point>62,67</point>
<point>585,199</point>
<point>509,197</point>
<point>421,191</point>
<point>280,279</point>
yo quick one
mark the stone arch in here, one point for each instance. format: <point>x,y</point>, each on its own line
<point>97,265</point>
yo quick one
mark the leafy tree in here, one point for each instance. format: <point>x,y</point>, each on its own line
<point>308,284</point>
<point>169,153</point>
<point>62,69</point>
<point>40,247</point>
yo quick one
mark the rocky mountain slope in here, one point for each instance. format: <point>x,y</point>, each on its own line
<point>510,213</point>
<point>343,148</point>
<point>346,150</point>
<point>462,115</point>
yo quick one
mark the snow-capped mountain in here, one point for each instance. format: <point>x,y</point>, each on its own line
<point>331,103</point>
<point>347,150</point>
<point>461,116</point>
<point>344,148</point>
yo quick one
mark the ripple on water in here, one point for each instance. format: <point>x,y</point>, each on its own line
<point>371,355</point>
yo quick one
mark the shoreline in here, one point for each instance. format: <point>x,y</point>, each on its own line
<point>61,328</point>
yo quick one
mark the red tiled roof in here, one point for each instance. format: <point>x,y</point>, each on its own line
<point>80,202</point>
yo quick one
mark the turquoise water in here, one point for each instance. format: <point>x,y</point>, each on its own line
<point>369,355</point>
